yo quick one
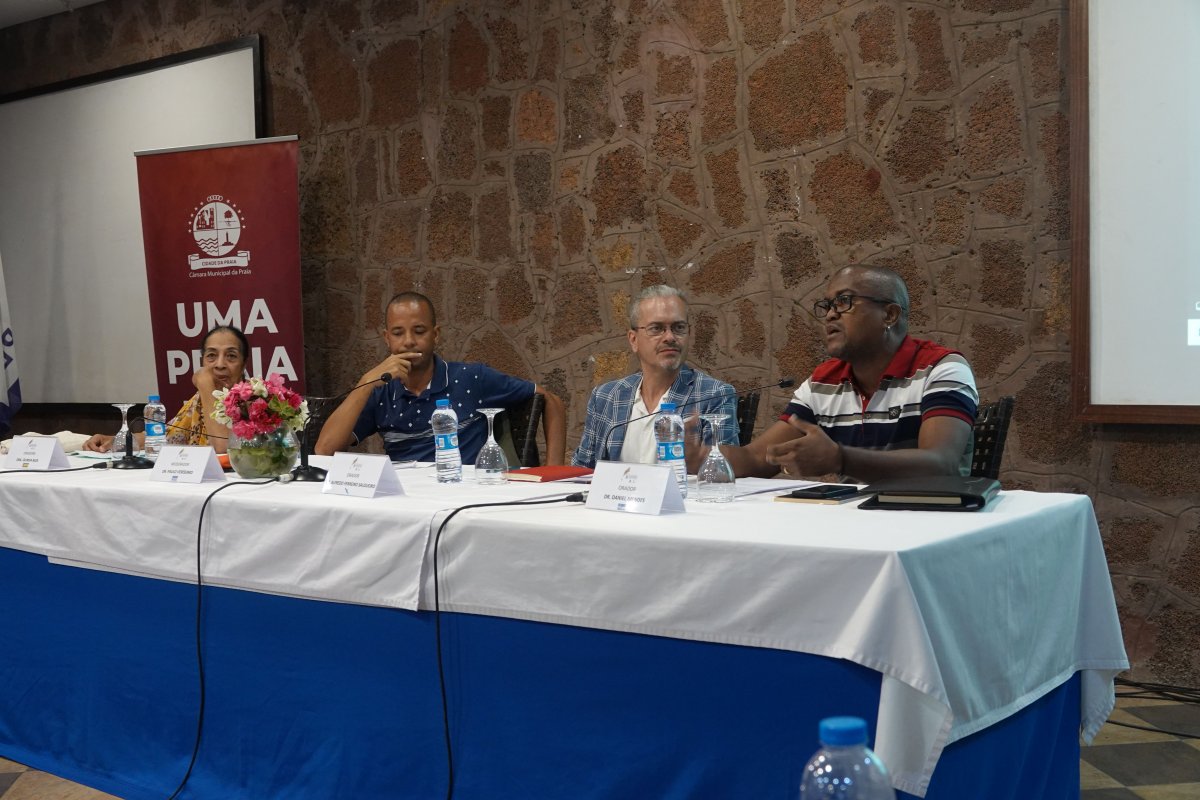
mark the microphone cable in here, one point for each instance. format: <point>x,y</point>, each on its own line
<point>576,497</point>
<point>199,645</point>
<point>97,465</point>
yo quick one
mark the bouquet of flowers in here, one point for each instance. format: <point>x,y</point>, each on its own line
<point>258,406</point>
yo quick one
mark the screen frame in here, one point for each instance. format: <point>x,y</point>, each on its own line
<point>251,43</point>
<point>1079,46</point>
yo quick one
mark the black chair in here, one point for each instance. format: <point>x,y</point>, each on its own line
<point>991,429</point>
<point>747,413</point>
<point>517,431</point>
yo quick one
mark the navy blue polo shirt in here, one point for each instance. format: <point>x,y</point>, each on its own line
<point>402,418</point>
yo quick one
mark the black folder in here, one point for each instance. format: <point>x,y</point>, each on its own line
<point>935,493</point>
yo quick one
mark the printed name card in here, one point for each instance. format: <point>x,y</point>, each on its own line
<point>180,463</point>
<point>360,475</point>
<point>636,488</point>
<point>36,452</point>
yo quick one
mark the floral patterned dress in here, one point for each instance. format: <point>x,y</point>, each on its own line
<point>187,427</point>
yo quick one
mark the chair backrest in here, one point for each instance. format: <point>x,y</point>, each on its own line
<point>517,431</point>
<point>991,429</point>
<point>747,413</point>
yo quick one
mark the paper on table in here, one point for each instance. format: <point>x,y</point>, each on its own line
<point>749,486</point>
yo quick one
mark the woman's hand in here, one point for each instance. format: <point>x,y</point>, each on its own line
<point>98,443</point>
<point>205,381</point>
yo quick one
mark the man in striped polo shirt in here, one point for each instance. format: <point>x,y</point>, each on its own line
<point>884,405</point>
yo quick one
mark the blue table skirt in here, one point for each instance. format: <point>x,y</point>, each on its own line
<point>320,700</point>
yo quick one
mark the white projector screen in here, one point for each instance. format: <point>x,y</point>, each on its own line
<point>1135,254</point>
<point>70,223</point>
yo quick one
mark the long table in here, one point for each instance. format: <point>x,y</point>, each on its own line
<point>684,652</point>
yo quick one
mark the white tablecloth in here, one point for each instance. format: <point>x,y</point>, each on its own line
<point>970,617</point>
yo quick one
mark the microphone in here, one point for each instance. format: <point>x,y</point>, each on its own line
<point>783,383</point>
<point>129,460</point>
<point>304,471</point>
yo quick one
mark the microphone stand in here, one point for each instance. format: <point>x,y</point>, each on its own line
<point>783,383</point>
<point>305,471</point>
<point>129,460</point>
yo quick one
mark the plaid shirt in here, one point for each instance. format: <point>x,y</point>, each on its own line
<point>611,403</point>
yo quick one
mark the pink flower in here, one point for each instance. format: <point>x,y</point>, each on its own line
<point>244,429</point>
<point>264,419</point>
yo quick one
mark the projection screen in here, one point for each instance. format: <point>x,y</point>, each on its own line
<point>1135,257</point>
<point>70,225</point>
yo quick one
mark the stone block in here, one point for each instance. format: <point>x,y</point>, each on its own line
<point>799,95</point>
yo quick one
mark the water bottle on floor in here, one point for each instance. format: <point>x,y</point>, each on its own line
<point>445,438</point>
<point>845,768</point>
<point>668,432</point>
<point>155,415</point>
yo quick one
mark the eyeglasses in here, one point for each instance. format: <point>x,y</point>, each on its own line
<point>843,303</point>
<point>658,329</point>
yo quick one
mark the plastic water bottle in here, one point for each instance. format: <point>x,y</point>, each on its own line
<point>668,432</point>
<point>445,439</point>
<point>155,414</point>
<point>844,768</point>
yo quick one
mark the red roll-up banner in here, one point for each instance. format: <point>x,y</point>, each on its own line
<point>221,230</point>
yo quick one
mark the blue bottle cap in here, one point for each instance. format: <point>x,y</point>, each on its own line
<point>841,731</point>
<point>443,402</point>
<point>153,398</point>
<point>666,407</point>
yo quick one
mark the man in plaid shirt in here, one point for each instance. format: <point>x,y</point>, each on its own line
<point>659,333</point>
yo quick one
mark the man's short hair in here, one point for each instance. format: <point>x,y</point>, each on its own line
<point>413,297</point>
<point>658,290</point>
<point>885,282</point>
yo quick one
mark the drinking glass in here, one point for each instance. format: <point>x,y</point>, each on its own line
<point>714,480</point>
<point>118,445</point>
<point>492,464</point>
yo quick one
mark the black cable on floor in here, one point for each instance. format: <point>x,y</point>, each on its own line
<point>199,648</point>
<point>577,497</point>
<point>1180,734</point>
<point>1164,691</point>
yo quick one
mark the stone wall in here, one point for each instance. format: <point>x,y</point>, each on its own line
<point>531,164</point>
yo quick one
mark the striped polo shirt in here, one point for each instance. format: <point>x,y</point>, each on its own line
<point>922,380</point>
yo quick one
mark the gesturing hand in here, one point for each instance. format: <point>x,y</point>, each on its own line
<point>811,453</point>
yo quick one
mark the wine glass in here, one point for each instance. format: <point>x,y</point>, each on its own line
<point>492,464</point>
<point>118,445</point>
<point>714,480</point>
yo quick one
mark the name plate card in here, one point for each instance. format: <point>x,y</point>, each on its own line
<point>181,463</point>
<point>360,475</point>
<point>636,488</point>
<point>36,453</point>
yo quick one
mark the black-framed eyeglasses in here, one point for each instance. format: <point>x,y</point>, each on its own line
<point>658,329</point>
<point>843,303</point>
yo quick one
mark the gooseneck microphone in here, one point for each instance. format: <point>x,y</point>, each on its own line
<point>304,471</point>
<point>783,383</point>
<point>129,460</point>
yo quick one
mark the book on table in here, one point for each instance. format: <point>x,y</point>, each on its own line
<point>561,472</point>
<point>932,493</point>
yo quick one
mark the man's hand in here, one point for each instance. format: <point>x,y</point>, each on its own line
<point>397,365</point>
<point>812,453</point>
<point>98,443</point>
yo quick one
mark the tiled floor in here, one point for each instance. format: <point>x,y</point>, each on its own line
<point>1129,764</point>
<point>1122,763</point>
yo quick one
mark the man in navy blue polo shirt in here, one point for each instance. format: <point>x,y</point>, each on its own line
<point>399,410</point>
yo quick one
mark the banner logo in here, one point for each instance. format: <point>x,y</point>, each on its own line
<point>217,227</point>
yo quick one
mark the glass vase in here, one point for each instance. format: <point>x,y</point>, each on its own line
<point>264,455</point>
